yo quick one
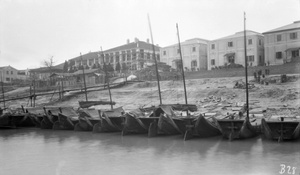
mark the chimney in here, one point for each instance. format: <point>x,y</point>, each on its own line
<point>128,41</point>
<point>147,40</point>
<point>136,40</point>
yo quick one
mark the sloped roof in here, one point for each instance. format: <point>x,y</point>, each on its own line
<point>3,67</point>
<point>190,41</point>
<point>86,71</point>
<point>90,55</point>
<point>46,70</point>
<point>240,34</point>
<point>133,45</point>
<point>293,26</point>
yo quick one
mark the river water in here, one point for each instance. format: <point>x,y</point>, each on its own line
<point>48,152</point>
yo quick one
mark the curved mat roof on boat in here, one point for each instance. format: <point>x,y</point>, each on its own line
<point>117,112</point>
<point>91,113</point>
<point>35,110</point>
<point>136,113</point>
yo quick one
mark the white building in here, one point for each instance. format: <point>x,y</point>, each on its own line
<point>282,44</point>
<point>230,50</point>
<point>134,55</point>
<point>8,74</point>
<point>194,54</point>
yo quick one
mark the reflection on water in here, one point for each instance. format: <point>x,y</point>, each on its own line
<point>34,151</point>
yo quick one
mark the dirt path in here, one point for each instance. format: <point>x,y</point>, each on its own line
<point>208,94</point>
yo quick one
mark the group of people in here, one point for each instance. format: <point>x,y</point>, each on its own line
<point>260,77</point>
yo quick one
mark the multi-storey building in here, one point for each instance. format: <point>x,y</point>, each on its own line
<point>230,49</point>
<point>8,74</point>
<point>282,44</point>
<point>194,55</point>
<point>135,55</point>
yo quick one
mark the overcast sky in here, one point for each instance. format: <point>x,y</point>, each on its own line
<point>34,30</point>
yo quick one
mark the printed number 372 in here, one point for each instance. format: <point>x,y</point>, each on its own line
<point>287,169</point>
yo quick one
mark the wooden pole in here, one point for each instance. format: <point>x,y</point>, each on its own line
<point>183,77</point>
<point>154,57</point>
<point>86,98</point>
<point>34,92</point>
<point>30,93</point>
<point>246,65</point>
<point>62,87</point>
<point>59,92</point>
<point>3,91</point>
<point>107,80</point>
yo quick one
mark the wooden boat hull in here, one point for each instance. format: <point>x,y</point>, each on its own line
<point>48,121</point>
<point>134,125</point>
<point>281,130</point>
<point>36,115</point>
<point>236,129</point>
<point>65,123</point>
<point>85,125</point>
<point>85,122</point>
<point>203,128</point>
<point>110,121</point>
<point>22,120</point>
<point>6,121</point>
<point>171,126</point>
<point>137,125</point>
<point>182,107</point>
<point>87,104</point>
<point>110,124</point>
<point>36,119</point>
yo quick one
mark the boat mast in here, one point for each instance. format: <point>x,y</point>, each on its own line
<point>246,65</point>
<point>107,80</point>
<point>183,77</point>
<point>86,98</point>
<point>154,57</point>
<point>2,90</point>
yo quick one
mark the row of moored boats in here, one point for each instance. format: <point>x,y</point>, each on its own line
<point>152,121</point>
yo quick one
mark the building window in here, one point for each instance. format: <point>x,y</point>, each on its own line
<point>7,79</point>
<point>259,42</point>
<point>250,58</point>
<point>133,54</point>
<point>230,44</point>
<point>106,58</point>
<point>123,56</point>
<point>293,35</point>
<point>194,49</point>
<point>260,59</point>
<point>165,52</point>
<point>212,62</point>
<point>11,72</point>
<point>91,62</point>
<point>213,46</point>
<point>194,63</point>
<point>249,41</point>
<point>7,72</point>
<point>295,53</point>
<point>278,55</point>
<point>128,55</point>
<point>142,53</point>
<point>278,38</point>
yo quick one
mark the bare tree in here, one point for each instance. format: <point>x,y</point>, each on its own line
<point>49,63</point>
